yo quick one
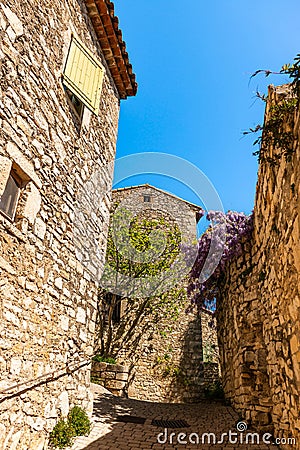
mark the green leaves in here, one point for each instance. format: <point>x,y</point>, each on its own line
<point>79,421</point>
<point>274,132</point>
<point>62,435</point>
<point>100,358</point>
<point>146,248</point>
<point>143,247</point>
<point>77,424</point>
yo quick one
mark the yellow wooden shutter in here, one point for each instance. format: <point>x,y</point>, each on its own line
<point>83,75</point>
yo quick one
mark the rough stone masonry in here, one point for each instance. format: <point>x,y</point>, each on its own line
<point>48,293</point>
<point>259,304</point>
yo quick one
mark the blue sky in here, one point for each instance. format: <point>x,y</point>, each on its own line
<point>193,62</point>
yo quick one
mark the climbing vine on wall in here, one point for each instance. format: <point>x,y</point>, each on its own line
<point>277,131</point>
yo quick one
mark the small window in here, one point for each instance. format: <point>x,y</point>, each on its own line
<point>147,198</point>
<point>9,198</point>
<point>116,316</point>
<point>82,78</point>
<point>75,103</point>
<point>117,311</point>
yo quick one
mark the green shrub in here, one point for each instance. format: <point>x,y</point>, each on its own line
<point>214,390</point>
<point>105,359</point>
<point>77,424</point>
<point>79,421</point>
<point>62,434</point>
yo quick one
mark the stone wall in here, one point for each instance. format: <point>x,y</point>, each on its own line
<point>210,349</point>
<point>259,304</point>
<point>169,365</point>
<point>113,377</point>
<point>48,296</point>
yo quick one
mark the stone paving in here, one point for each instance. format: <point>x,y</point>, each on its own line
<point>204,417</point>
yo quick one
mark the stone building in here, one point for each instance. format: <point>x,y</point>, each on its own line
<point>259,305</point>
<point>64,68</point>
<point>145,197</point>
<point>173,357</point>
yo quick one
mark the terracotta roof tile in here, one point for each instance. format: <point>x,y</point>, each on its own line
<point>106,25</point>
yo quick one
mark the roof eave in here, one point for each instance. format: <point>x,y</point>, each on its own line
<point>106,26</point>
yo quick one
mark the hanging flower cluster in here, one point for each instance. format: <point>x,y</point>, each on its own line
<point>219,244</point>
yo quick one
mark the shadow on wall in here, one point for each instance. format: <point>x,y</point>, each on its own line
<point>198,368</point>
<point>183,375</point>
<point>188,385</point>
<point>173,368</point>
<point>178,366</point>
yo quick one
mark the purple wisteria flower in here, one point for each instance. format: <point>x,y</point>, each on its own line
<point>237,227</point>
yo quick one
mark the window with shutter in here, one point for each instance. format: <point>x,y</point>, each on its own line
<point>83,76</point>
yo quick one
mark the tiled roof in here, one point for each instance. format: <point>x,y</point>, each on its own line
<point>106,25</point>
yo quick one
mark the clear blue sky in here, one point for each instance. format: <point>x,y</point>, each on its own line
<point>193,61</point>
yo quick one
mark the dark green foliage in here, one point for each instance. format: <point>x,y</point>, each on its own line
<point>77,424</point>
<point>105,359</point>
<point>275,132</point>
<point>214,391</point>
<point>293,71</point>
<point>79,421</point>
<point>62,434</point>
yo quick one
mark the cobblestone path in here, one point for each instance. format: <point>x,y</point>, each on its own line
<point>206,417</point>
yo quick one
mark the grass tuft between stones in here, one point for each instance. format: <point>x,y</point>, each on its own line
<point>105,359</point>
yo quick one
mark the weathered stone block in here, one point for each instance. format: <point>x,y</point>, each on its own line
<point>108,375</point>
<point>114,384</point>
<point>33,203</point>
<point>13,20</point>
<point>81,315</point>
<point>64,403</point>
<point>15,366</point>
<point>15,440</point>
<point>99,366</point>
<point>119,368</point>
<point>6,266</point>
<point>26,166</point>
<point>122,376</point>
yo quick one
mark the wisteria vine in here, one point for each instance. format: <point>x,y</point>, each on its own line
<point>228,231</point>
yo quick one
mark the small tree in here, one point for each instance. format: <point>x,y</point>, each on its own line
<point>147,250</point>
